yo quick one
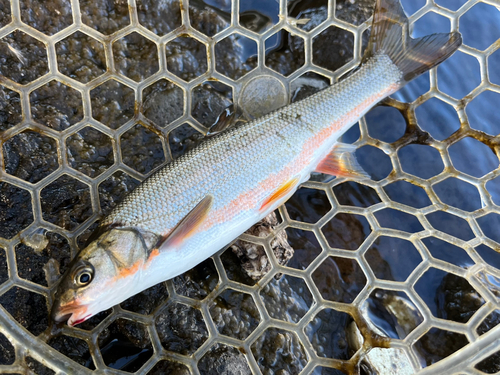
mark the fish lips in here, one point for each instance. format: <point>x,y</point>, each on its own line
<point>69,313</point>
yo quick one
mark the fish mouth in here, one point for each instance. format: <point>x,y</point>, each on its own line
<point>60,318</point>
<point>62,314</point>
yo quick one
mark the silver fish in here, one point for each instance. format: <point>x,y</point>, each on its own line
<point>200,202</point>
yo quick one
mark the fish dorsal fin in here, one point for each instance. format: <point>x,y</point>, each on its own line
<point>342,162</point>
<point>187,226</point>
<point>279,193</point>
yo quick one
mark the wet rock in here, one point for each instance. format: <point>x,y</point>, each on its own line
<point>31,263</point>
<point>135,333</point>
<point>354,11</point>
<point>287,299</point>
<point>90,61</point>
<point>490,365</point>
<point>438,344</point>
<point>223,360</point>
<point>491,321</point>
<point>339,279</point>
<point>30,156</point>
<point>285,53</point>
<point>146,301</point>
<point>392,313</point>
<point>56,105</point>
<point>159,17</point>
<point>457,299</point>
<point>333,47</point>
<point>198,282</point>
<point>74,348</point>
<point>169,367</point>
<point>15,210</point>
<point>242,57</point>
<point>84,239</point>
<point>233,268</point>
<point>388,361</point>
<point>27,308</point>
<point>136,56</point>
<point>90,152</point>
<point>105,16</point>
<point>38,368</point>
<point>235,314</point>
<point>331,334</point>
<point>209,20</point>
<point>5,16</point>
<point>113,103</point>
<point>66,202</point>
<point>142,149</point>
<point>10,106</point>
<point>47,16</point>
<point>208,103</point>
<point>253,257</point>
<point>163,102</point>
<point>279,352</point>
<point>7,353</point>
<point>186,58</point>
<point>182,139</point>
<point>22,58</point>
<point>4,271</point>
<point>181,328</point>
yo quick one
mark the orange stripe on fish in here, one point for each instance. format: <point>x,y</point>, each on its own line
<point>126,272</point>
<point>250,199</point>
<point>154,253</point>
<point>248,170</point>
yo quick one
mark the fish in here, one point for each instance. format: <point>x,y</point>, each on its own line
<point>197,204</point>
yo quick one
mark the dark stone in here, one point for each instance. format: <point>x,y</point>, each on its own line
<point>223,360</point>
<point>181,328</point>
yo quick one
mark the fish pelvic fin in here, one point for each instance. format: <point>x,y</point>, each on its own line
<point>342,162</point>
<point>280,193</point>
<point>390,36</point>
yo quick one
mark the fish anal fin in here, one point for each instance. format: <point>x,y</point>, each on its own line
<point>280,193</point>
<point>187,226</point>
<point>342,162</point>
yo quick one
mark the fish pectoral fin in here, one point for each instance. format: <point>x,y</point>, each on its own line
<point>280,193</point>
<point>187,226</point>
<point>342,162</point>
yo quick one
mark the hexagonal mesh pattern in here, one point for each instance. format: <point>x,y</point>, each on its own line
<point>406,260</point>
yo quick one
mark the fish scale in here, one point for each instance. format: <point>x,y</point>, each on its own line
<point>239,160</point>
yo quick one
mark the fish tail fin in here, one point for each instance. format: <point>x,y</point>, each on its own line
<point>390,36</point>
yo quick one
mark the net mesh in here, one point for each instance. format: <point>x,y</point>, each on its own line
<point>96,121</point>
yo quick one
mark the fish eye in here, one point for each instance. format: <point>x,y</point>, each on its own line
<point>84,276</point>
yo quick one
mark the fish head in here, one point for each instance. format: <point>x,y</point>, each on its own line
<point>101,275</point>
